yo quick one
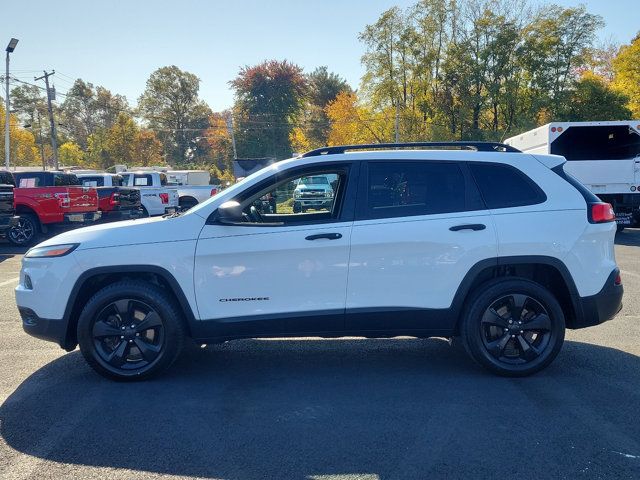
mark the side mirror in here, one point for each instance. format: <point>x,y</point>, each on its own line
<point>229,213</point>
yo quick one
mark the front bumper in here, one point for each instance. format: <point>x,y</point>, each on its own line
<point>602,306</point>
<point>45,328</point>
<point>7,222</point>
<point>77,218</point>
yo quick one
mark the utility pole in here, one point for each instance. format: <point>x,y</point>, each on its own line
<point>7,132</point>
<point>397,122</point>
<point>233,136</point>
<point>54,141</point>
<point>44,164</point>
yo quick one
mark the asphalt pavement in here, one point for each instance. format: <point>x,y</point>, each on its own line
<point>325,409</point>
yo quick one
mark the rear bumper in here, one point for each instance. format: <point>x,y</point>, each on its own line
<point>602,306</point>
<point>44,328</point>
<point>7,222</point>
<point>117,215</point>
<point>77,218</point>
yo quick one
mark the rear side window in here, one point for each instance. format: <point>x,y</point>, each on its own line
<point>142,180</point>
<point>503,186</point>
<point>65,180</point>
<point>400,189</point>
<point>92,181</point>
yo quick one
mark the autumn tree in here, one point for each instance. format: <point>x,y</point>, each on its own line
<point>70,154</point>
<point>22,144</point>
<point>313,128</point>
<point>626,66</point>
<point>352,123</point>
<point>268,100</point>
<point>171,107</point>
<point>147,149</point>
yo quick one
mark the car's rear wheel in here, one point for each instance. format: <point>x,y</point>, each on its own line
<point>25,232</point>
<point>513,327</point>
<point>130,330</point>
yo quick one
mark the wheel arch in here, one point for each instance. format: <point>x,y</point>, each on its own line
<point>93,280</point>
<point>188,198</point>
<point>550,272</point>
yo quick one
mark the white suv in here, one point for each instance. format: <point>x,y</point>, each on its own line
<point>475,240</point>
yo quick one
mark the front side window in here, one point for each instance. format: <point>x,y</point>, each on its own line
<point>503,186</point>
<point>399,189</point>
<point>301,198</point>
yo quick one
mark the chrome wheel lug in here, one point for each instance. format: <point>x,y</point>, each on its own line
<point>123,328</point>
<point>122,337</point>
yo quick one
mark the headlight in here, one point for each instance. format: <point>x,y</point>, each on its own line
<point>330,194</point>
<point>52,251</point>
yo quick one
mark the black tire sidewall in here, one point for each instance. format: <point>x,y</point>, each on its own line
<point>150,294</point>
<point>483,298</point>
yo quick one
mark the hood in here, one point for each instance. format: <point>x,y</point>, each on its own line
<point>132,232</point>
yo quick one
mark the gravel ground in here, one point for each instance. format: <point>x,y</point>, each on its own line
<point>325,409</point>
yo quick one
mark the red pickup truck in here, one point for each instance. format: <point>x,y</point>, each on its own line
<point>49,199</point>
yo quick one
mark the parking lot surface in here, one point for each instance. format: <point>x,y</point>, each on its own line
<point>325,409</point>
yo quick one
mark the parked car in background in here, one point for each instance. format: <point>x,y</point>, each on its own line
<point>313,192</point>
<point>156,196</point>
<point>193,186</point>
<point>604,156</point>
<point>45,200</point>
<point>116,202</point>
<point>8,218</point>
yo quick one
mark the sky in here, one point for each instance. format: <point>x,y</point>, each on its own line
<point>118,44</point>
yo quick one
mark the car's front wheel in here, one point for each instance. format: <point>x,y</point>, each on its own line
<point>130,330</point>
<point>513,327</point>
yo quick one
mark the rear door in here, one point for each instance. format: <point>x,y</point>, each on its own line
<point>420,227</point>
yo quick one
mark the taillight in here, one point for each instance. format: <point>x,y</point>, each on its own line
<point>164,197</point>
<point>214,191</point>
<point>618,280</point>
<point>602,212</point>
<point>115,199</point>
<point>63,200</point>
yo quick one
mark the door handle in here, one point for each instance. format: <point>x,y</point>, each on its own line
<point>328,236</point>
<point>468,226</point>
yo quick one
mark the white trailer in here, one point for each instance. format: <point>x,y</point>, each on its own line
<point>604,156</point>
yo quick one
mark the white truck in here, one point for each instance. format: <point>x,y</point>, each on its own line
<point>604,156</point>
<point>157,197</point>
<point>192,185</point>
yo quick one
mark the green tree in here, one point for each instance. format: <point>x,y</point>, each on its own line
<point>626,66</point>
<point>70,154</point>
<point>268,100</point>
<point>87,109</point>
<point>171,107</point>
<point>593,99</point>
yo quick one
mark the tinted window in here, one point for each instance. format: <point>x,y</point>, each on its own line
<point>65,180</point>
<point>503,186</point>
<point>398,189</point>
<point>117,181</point>
<point>6,178</point>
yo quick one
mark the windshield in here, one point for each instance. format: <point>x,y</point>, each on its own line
<point>314,181</point>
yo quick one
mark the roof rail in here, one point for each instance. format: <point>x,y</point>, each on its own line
<point>477,146</point>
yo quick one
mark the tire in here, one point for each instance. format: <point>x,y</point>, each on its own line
<point>619,228</point>
<point>112,336</point>
<point>145,212</point>
<point>26,232</point>
<point>493,337</point>
<point>185,204</point>
<point>296,207</point>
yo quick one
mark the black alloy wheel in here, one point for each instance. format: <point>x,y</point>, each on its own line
<point>516,329</point>
<point>131,330</point>
<point>513,326</point>
<point>24,232</point>
<point>128,335</point>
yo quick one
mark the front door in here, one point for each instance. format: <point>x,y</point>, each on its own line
<point>283,270</point>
